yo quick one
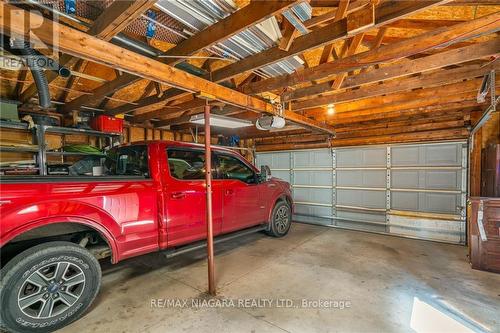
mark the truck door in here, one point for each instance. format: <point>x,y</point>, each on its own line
<point>185,197</point>
<point>243,206</point>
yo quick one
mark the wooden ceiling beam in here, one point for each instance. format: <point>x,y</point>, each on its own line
<point>351,50</point>
<point>21,77</point>
<point>415,97</point>
<point>448,124</point>
<point>402,129</point>
<point>408,111</point>
<point>117,17</point>
<point>334,31</point>
<point>424,118</point>
<point>401,104</point>
<point>111,21</point>
<point>78,67</point>
<point>435,135</point>
<point>324,18</point>
<point>150,102</point>
<point>291,139</point>
<point>335,3</point>
<point>255,12</point>
<point>387,12</point>
<point>423,24</point>
<point>172,111</point>
<point>289,34</point>
<point>354,42</point>
<point>432,62</point>
<point>82,45</point>
<point>411,46</point>
<point>323,36</point>
<point>301,135</point>
<point>473,3</point>
<point>448,78</point>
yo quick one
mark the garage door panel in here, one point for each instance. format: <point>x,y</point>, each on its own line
<point>442,179</point>
<point>450,154</point>
<point>378,217</point>
<point>361,198</point>
<point>361,178</point>
<point>310,210</point>
<point>444,203</point>
<point>447,203</point>
<point>361,157</point>
<point>404,201</point>
<point>432,229</point>
<point>405,178</point>
<point>313,195</point>
<point>274,160</point>
<point>285,175</point>
<point>349,188</point>
<point>427,155</point>
<point>426,179</point>
<point>319,158</point>
<point>314,178</point>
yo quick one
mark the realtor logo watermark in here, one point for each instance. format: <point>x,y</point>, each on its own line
<point>288,303</point>
<point>28,29</point>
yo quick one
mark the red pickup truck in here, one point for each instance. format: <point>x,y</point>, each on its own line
<point>151,198</point>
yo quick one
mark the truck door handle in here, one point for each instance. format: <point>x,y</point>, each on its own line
<point>178,195</point>
<point>229,192</point>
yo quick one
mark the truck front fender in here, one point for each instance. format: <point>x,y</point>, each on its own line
<point>25,218</point>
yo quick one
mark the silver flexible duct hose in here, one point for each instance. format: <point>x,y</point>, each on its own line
<point>38,73</point>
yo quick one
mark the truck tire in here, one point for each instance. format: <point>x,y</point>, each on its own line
<point>47,287</point>
<point>281,220</point>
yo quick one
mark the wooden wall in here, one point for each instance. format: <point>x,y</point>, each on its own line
<point>130,134</point>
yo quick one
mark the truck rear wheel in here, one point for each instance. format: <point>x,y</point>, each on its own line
<point>47,287</point>
<point>281,220</point>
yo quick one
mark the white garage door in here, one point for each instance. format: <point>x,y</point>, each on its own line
<point>409,190</point>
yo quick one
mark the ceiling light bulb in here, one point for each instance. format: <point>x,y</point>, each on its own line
<point>331,109</point>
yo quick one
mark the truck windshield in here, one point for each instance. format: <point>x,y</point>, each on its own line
<point>129,161</point>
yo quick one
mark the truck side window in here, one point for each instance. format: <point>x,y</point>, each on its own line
<point>128,161</point>
<point>186,164</point>
<point>232,168</point>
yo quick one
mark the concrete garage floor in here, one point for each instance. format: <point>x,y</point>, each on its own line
<point>387,280</point>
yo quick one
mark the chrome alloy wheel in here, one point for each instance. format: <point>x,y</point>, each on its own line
<point>51,290</point>
<point>282,219</point>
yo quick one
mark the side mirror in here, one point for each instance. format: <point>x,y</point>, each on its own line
<point>265,173</point>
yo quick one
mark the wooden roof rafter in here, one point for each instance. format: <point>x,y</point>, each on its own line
<point>388,12</point>
<point>397,70</point>
<point>99,51</point>
<point>255,12</point>
<point>385,13</point>
<point>111,22</point>
<point>418,44</point>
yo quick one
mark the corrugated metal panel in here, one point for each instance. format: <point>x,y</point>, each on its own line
<point>197,15</point>
<point>409,190</point>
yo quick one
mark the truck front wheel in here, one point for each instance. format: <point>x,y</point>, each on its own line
<point>47,287</point>
<point>281,219</point>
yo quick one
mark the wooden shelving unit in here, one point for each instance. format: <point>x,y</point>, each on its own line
<point>39,136</point>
